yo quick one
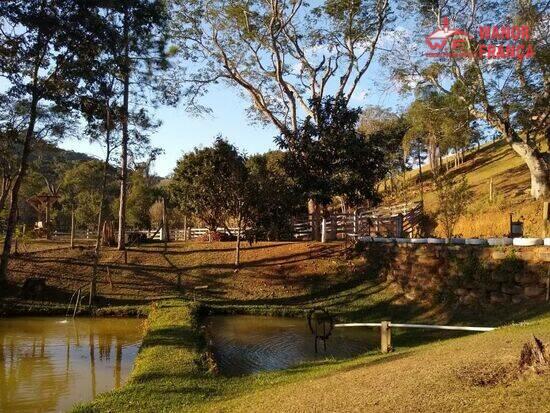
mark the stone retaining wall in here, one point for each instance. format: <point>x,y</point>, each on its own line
<point>467,275</point>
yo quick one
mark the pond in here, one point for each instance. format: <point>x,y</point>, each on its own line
<point>49,364</point>
<point>249,344</point>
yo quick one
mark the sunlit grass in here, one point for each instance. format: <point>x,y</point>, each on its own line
<point>170,377</point>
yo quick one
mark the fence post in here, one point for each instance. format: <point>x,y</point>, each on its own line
<point>399,223</point>
<point>324,230</point>
<point>546,218</point>
<point>185,228</point>
<point>355,226</point>
<point>334,227</point>
<point>385,337</point>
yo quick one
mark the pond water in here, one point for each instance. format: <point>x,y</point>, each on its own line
<point>49,364</point>
<point>249,344</point>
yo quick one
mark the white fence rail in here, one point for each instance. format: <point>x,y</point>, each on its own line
<point>386,326</point>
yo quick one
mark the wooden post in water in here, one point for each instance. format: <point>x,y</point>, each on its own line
<point>385,337</point>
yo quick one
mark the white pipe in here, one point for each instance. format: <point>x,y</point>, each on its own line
<point>428,326</point>
<point>358,325</point>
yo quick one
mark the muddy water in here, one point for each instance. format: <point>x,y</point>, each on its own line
<point>249,344</point>
<point>49,364</point>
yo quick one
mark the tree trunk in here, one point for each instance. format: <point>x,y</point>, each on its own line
<point>23,166</point>
<point>97,250</point>
<point>124,144</point>
<point>420,176</point>
<point>539,168</point>
<point>72,228</point>
<point>315,217</point>
<point>238,244</point>
<point>537,162</point>
<point>6,186</point>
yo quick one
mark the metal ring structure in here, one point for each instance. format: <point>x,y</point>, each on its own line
<point>320,324</point>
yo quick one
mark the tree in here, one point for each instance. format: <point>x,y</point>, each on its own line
<point>388,129</point>
<point>275,196</point>
<point>141,197</point>
<point>47,47</point>
<point>82,190</point>
<point>140,25</point>
<point>280,54</point>
<point>510,95</point>
<point>211,184</point>
<point>415,148</point>
<point>453,198</point>
<point>331,157</point>
<point>8,161</point>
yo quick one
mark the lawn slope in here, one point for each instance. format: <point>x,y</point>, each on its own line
<point>511,186</point>
<point>472,373</point>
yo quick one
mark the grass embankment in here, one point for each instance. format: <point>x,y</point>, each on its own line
<point>275,278</point>
<point>511,186</point>
<point>474,373</point>
<point>271,272</point>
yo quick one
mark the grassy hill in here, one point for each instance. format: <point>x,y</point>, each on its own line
<point>476,373</point>
<point>511,183</point>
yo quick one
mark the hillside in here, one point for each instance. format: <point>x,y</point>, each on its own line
<point>511,183</point>
<point>479,372</point>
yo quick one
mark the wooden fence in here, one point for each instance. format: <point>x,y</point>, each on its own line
<point>194,233</point>
<point>396,221</point>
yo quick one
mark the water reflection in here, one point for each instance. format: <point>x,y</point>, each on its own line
<point>48,364</point>
<point>249,344</point>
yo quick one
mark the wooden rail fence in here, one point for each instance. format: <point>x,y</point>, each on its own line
<point>396,221</point>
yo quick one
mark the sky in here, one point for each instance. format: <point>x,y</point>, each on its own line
<point>180,132</point>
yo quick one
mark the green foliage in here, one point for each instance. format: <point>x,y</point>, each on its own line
<point>330,157</point>
<point>81,191</point>
<point>275,196</point>
<point>454,197</point>
<point>210,183</point>
<point>439,122</point>
<point>141,197</point>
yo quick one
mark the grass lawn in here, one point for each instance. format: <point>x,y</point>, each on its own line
<point>472,373</point>
<point>511,184</point>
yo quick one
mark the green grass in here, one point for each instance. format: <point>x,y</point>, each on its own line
<point>170,375</point>
<point>511,184</point>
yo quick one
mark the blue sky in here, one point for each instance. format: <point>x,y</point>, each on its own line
<point>180,132</point>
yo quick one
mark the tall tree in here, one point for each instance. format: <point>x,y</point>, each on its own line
<point>46,49</point>
<point>141,27</point>
<point>510,94</point>
<point>388,128</point>
<point>331,157</point>
<point>279,53</point>
<point>211,184</point>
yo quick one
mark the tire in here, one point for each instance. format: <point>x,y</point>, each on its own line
<point>527,242</point>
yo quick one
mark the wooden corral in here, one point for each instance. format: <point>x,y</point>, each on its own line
<point>395,221</point>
